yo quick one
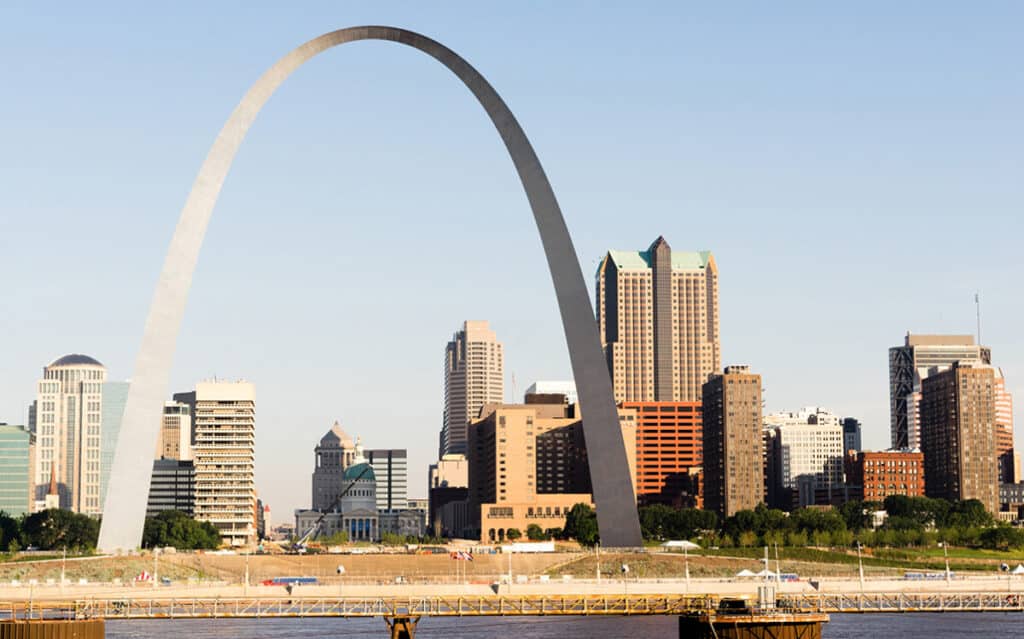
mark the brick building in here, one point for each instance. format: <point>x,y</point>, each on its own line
<point>669,453</point>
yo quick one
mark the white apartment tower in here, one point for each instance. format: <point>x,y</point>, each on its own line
<point>68,411</point>
<point>807,445</point>
<point>224,414</point>
<point>474,375</point>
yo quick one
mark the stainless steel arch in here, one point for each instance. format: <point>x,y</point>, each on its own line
<point>125,506</point>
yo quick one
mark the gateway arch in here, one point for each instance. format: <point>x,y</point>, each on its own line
<point>125,507</point>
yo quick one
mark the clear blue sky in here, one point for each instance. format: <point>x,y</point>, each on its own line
<point>856,170</point>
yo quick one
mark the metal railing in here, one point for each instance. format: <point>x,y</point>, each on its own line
<point>902,602</point>
<point>432,606</point>
<point>497,605</point>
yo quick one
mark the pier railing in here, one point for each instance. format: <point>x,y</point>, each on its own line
<point>496,605</point>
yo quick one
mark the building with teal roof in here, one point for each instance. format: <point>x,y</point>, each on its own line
<point>657,311</point>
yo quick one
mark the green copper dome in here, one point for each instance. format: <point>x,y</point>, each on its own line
<point>354,471</point>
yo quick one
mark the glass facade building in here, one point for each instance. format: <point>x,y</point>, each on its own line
<point>115,394</point>
<point>15,469</point>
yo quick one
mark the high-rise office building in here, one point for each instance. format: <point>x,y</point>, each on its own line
<point>958,433</point>
<point>851,434</point>
<point>17,448</point>
<point>391,468</point>
<point>1009,466</point>
<point>115,395</point>
<point>528,465</point>
<point>224,458</point>
<point>68,432</point>
<point>908,365</point>
<point>334,454</point>
<point>657,311</point>
<point>807,452</point>
<point>474,375</point>
<point>175,432</point>
<point>733,443</point>
<point>669,452</point>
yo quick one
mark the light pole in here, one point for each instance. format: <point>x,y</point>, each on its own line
<point>156,576</point>
<point>945,553</point>
<point>686,566</point>
<point>245,589</point>
<point>63,564</point>
<point>860,568</point>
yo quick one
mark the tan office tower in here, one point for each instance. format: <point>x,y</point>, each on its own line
<point>733,444</point>
<point>175,432</point>
<point>1009,471</point>
<point>474,375</point>
<point>528,465</point>
<point>224,457</point>
<point>68,411</point>
<point>657,311</point>
<point>908,365</point>
<point>958,433</point>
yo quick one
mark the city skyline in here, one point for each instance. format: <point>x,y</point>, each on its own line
<point>859,323</point>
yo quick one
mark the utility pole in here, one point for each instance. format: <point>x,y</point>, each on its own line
<point>63,564</point>
<point>156,577</point>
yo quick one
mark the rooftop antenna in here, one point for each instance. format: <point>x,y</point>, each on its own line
<point>977,308</point>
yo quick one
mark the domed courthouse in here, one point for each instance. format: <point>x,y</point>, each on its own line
<point>353,496</point>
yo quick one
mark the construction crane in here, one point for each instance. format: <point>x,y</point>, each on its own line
<point>300,545</point>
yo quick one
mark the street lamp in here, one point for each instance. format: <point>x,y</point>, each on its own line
<point>945,553</point>
<point>156,577</point>
<point>860,567</point>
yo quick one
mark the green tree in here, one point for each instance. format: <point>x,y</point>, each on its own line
<point>535,533</point>
<point>338,538</point>
<point>656,521</point>
<point>1002,538</point>
<point>748,539</point>
<point>176,529</point>
<point>9,532</point>
<point>967,514</point>
<point>513,534</point>
<point>581,525</point>
<point>54,528</point>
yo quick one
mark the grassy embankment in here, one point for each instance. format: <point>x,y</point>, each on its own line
<point>726,562</point>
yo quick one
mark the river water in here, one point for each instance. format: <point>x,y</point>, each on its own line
<point>930,625</point>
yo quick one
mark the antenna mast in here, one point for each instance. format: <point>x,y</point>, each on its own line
<point>977,308</point>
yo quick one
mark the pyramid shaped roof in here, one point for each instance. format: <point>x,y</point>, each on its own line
<point>336,437</point>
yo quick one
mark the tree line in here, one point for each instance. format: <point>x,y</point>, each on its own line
<point>910,521</point>
<point>56,529</point>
